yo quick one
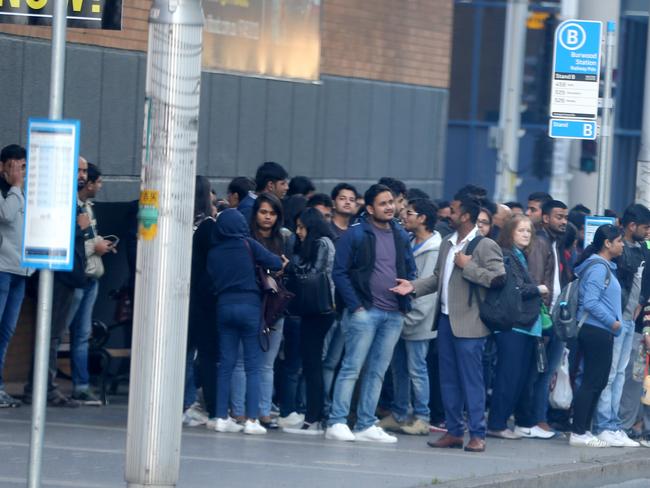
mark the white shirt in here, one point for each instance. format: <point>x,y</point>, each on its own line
<point>557,287</point>
<point>449,266</point>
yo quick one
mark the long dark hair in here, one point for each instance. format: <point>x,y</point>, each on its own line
<point>607,232</point>
<point>317,227</point>
<point>202,198</point>
<point>274,243</point>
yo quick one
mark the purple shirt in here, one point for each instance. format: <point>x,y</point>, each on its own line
<point>385,272</point>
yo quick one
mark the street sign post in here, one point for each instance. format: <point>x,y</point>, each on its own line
<point>576,70</point>
<point>572,129</point>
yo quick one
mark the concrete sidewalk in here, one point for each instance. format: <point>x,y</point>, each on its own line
<point>85,448</point>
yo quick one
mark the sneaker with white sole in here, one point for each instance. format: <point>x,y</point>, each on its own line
<point>534,432</point>
<point>7,401</point>
<point>610,437</point>
<point>305,429</point>
<point>194,416</point>
<point>626,441</point>
<point>586,440</point>
<point>253,427</point>
<point>339,432</point>
<point>227,425</point>
<point>294,419</point>
<point>375,434</point>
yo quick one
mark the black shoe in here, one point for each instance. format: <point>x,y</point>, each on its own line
<point>7,401</point>
<point>84,397</point>
<point>57,399</point>
<point>271,424</point>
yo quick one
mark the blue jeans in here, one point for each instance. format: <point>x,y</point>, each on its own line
<point>554,349</point>
<point>332,356</point>
<point>606,416</point>
<point>370,338</point>
<point>461,380</point>
<point>12,291</point>
<point>80,319</point>
<point>238,386</point>
<point>410,368</point>
<point>239,324</point>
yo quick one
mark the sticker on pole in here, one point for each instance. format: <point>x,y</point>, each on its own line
<point>591,226</point>
<point>576,69</point>
<point>572,129</point>
<point>148,214</point>
<point>50,194</point>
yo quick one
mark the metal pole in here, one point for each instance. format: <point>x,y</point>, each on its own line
<point>46,278</point>
<point>643,162</point>
<point>512,73</point>
<point>165,244</point>
<point>607,121</point>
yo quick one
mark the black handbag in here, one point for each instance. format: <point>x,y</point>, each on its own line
<point>313,294</point>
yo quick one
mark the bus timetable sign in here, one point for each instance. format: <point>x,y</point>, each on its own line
<point>576,70</point>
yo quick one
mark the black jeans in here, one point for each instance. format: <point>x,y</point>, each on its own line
<point>596,345</point>
<point>312,336</point>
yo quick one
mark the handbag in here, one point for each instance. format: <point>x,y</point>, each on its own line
<point>313,294</point>
<point>94,264</point>
<point>275,300</point>
<point>561,394</point>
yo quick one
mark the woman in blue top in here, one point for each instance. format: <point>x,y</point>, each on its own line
<point>599,308</point>
<point>231,267</point>
<point>516,362</point>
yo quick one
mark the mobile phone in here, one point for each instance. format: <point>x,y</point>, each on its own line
<point>113,238</point>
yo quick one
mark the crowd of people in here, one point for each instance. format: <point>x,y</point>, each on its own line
<point>359,316</point>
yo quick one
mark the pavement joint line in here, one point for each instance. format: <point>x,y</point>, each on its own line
<point>255,462</point>
<point>49,481</point>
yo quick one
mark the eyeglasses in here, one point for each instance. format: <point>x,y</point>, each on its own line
<point>483,222</point>
<point>412,212</point>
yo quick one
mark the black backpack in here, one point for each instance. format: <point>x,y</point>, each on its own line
<point>504,307</point>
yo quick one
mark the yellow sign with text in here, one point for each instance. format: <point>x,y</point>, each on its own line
<point>88,14</point>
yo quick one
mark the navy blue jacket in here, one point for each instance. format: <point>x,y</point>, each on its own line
<point>230,264</point>
<point>355,261</point>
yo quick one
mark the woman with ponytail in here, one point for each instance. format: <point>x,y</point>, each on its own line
<point>599,309</point>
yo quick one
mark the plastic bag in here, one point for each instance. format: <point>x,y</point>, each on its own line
<point>561,394</point>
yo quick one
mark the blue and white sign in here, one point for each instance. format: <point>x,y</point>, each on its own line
<point>592,222</point>
<point>572,129</point>
<point>51,194</point>
<point>576,69</point>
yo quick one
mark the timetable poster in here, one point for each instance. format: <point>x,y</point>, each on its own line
<point>51,194</point>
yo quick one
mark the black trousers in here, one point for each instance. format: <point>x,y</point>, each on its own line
<point>312,336</point>
<point>596,345</point>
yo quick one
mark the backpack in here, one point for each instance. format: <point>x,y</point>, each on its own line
<point>565,310</point>
<point>504,307</point>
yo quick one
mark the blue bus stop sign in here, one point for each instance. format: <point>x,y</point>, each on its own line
<point>576,69</point>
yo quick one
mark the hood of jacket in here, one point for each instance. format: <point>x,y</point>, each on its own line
<point>230,224</point>
<point>431,244</point>
<point>591,259</point>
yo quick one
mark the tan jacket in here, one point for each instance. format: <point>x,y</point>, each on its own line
<point>486,265</point>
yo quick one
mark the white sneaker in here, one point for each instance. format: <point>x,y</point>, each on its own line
<point>305,429</point>
<point>534,432</point>
<point>610,437</point>
<point>626,441</point>
<point>339,432</point>
<point>253,427</point>
<point>586,440</point>
<point>375,434</point>
<point>227,425</point>
<point>194,416</point>
<point>294,419</point>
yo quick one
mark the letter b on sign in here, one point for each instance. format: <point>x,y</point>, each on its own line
<point>588,130</point>
<point>572,37</point>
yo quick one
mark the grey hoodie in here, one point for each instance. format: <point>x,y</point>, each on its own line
<point>419,321</point>
<point>12,213</point>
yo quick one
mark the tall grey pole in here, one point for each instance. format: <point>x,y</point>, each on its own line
<point>46,278</point>
<point>607,125</point>
<point>512,73</point>
<point>165,244</point>
<point>643,162</point>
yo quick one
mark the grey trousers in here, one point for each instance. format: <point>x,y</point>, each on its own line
<point>631,409</point>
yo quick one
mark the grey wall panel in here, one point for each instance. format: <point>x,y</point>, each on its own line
<point>118,125</point>
<point>380,127</point>
<point>341,129</point>
<point>252,122</point>
<point>11,81</point>
<point>279,106</point>
<point>223,113</point>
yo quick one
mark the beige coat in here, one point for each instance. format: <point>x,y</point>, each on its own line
<point>486,265</point>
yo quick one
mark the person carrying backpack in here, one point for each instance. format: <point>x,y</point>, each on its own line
<point>516,360</point>
<point>600,312</point>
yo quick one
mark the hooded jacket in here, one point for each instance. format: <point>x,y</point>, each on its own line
<point>602,304</point>
<point>231,263</point>
<point>419,321</point>
<point>12,215</point>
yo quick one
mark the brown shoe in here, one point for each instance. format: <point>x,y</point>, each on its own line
<point>447,441</point>
<point>475,444</point>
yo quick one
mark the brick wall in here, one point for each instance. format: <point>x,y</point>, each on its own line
<point>406,42</point>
